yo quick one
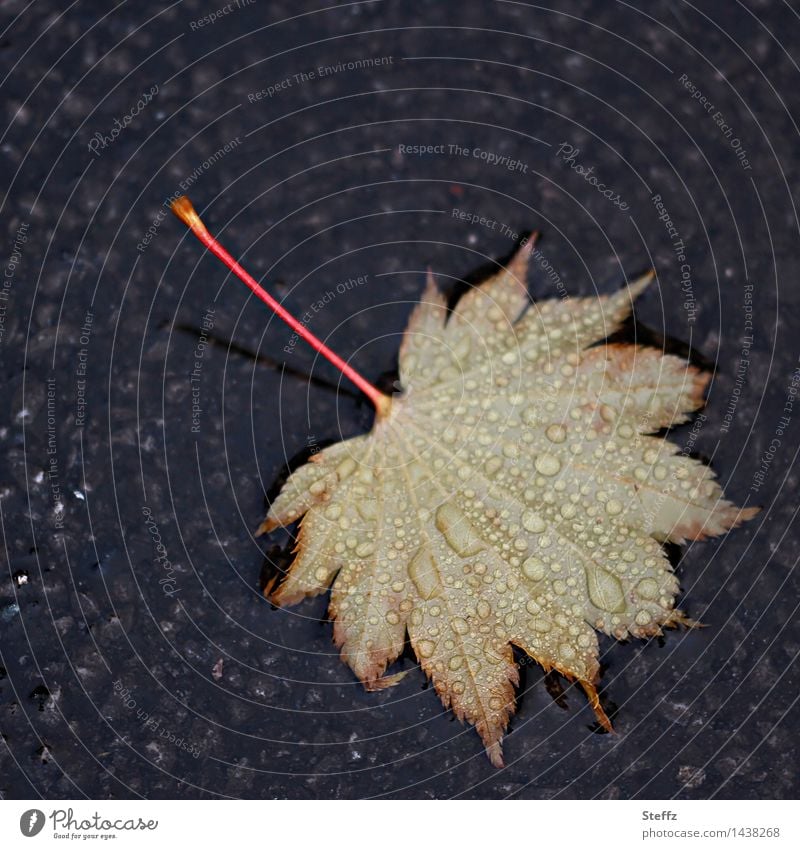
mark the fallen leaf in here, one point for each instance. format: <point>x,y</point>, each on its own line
<point>512,495</point>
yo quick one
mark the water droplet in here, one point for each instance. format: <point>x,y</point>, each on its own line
<point>333,512</point>
<point>321,574</point>
<point>607,414</point>
<point>456,662</point>
<point>483,609</point>
<point>533,522</point>
<point>457,530</point>
<point>605,589</point>
<point>426,648</point>
<point>365,549</point>
<point>647,588</point>
<point>345,468</point>
<point>643,618</point>
<point>423,573</point>
<point>392,618</point>
<point>318,487</point>
<point>461,348</point>
<point>368,510</point>
<point>613,507</point>
<point>492,466</point>
<point>459,625</point>
<point>547,465</point>
<point>533,569</point>
<point>556,433</point>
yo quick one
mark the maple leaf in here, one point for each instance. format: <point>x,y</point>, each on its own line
<point>514,495</point>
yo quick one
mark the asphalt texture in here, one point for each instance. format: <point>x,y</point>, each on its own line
<point>152,405</point>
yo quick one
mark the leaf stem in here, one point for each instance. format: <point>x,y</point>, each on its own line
<point>183,209</point>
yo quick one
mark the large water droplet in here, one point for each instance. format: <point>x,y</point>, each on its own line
<point>318,487</point>
<point>345,468</point>
<point>457,530</point>
<point>423,573</point>
<point>605,589</point>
